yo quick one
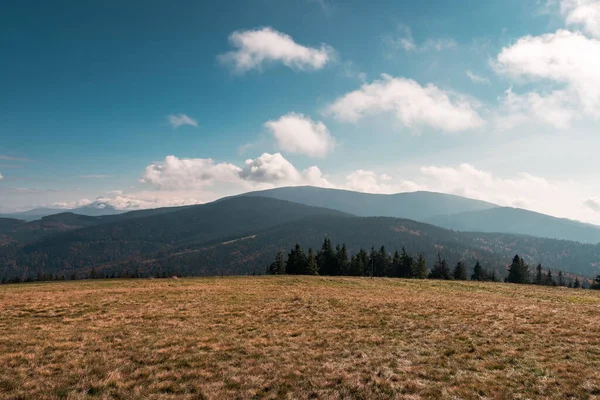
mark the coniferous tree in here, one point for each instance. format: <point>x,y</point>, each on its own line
<point>296,261</point>
<point>440,270</point>
<point>518,271</point>
<point>478,272</point>
<point>342,263</point>
<point>460,272</point>
<point>93,273</point>
<point>372,262</point>
<point>357,267</point>
<point>396,265</point>
<point>539,278</point>
<point>596,283</point>
<point>277,267</point>
<point>406,262</point>
<point>363,258</point>
<point>326,258</point>
<point>577,283</point>
<point>382,262</point>
<point>561,279</point>
<point>311,264</point>
<point>420,268</point>
<point>550,279</point>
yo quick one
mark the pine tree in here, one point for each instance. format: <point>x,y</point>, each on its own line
<point>93,273</point>
<point>326,258</point>
<point>550,279</point>
<point>311,264</point>
<point>420,268</point>
<point>440,270</point>
<point>460,272</point>
<point>342,263</point>
<point>561,279</point>
<point>382,262</point>
<point>518,271</point>
<point>406,262</point>
<point>372,261</point>
<point>539,278</point>
<point>277,267</point>
<point>478,272</point>
<point>596,283</point>
<point>577,283</point>
<point>296,262</point>
<point>396,265</point>
<point>357,267</point>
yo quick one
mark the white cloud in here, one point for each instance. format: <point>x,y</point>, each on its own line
<point>69,205</point>
<point>370,182</point>
<point>593,204</point>
<point>296,133</point>
<point>268,170</point>
<point>182,173</point>
<point>406,42</point>
<point>565,59</point>
<point>413,105</point>
<point>1,177</point>
<point>476,78</point>
<point>556,109</point>
<point>180,120</point>
<point>266,45</point>
<point>275,170</point>
<point>584,13</point>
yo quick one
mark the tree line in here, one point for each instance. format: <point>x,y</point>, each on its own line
<point>330,261</point>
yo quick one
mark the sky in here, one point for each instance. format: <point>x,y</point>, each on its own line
<point>144,104</point>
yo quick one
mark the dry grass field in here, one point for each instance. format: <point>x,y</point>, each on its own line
<point>297,338</point>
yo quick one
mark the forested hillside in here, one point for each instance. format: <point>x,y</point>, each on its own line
<point>240,236</point>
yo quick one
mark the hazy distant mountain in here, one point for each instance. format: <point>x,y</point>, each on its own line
<point>417,206</point>
<point>516,220</point>
<point>37,213</point>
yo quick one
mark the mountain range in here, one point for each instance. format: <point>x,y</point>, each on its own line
<point>240,235</point>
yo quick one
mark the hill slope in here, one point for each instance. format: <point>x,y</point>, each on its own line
<point>417,206</point>
<point>448,211</point>
<point>241,235</point>
<point>515,220</point>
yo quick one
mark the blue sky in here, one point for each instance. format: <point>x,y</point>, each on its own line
<point>144,104</point>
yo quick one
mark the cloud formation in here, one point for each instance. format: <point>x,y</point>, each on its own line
<point>296,133</point>
<point>268,170</point>
<point>180,120</point>
<point>583,13</point>
<point>413,105</point>
<point>476,78</point>
<point>593,204</point>
<point>406,42</point>
<point>255,48</point>
<point>567,63</point>
<point>1,177</point>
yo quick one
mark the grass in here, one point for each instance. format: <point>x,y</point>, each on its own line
<point>297,337</point>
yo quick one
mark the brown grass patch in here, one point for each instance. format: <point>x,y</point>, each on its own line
<point>297,337</point>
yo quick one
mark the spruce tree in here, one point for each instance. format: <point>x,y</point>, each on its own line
<point>460,272</point>
<point>296,262</point>
<point>396,265</point>
<point>406,261</point>
<point>326,258</point>
<point>577,283</point>
<point>363,259</point>
<point>550,279</point>
<point>539,278</point>
<point>518,271</point>
<point>561,279</point>
<point>277,267</point>
<point>478,272</point>
<point>357,267</point>
<point>440,270</point>
<point>420,268</point>
<point>596,283</point>
<point>342,263</point>
<point>382,262</point>
<point>311,264</point>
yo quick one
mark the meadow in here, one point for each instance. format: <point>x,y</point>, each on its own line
<point>297,338</point>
